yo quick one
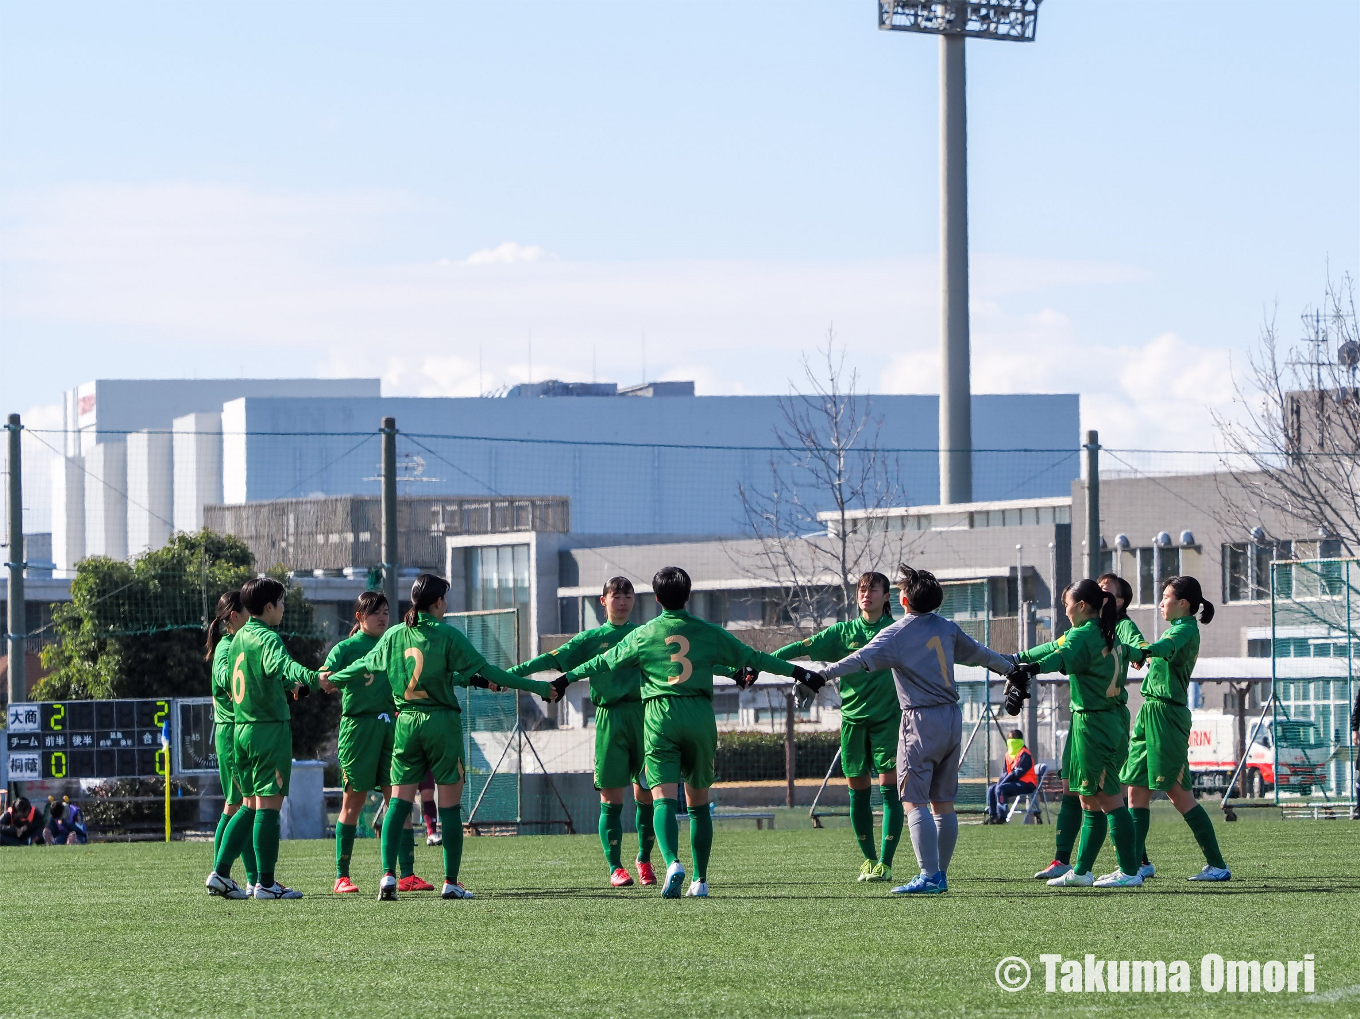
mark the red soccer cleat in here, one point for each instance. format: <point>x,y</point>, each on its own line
<point>645,873</point>
<point>620,878</point>
<point>414,883</point>
<point>343,885</point>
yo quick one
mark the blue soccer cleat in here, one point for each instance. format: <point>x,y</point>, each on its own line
<point>922,885</point>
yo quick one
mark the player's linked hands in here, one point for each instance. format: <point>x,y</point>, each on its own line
<point>814,681</point>
<point>1017,686</point>
<point>559,689</point>
<point>327,685</point>
<point>745,676</point>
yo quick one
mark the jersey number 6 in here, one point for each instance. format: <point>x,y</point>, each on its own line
<point>238,680</point>
<point>682,649</point>
<point>413,691</point>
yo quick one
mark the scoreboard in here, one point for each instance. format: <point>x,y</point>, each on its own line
<point>86,739</point>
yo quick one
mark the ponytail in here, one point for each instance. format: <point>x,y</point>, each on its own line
<point>427,590</point>
<point>365,605</point>
<point>1105,604</point>
<point>1123,591</point>
<point>227,606</point>
<point>1188,589</point>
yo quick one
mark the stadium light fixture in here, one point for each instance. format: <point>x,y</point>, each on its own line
<point>954,21</point>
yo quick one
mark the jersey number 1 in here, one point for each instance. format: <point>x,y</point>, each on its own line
<point>682,649</point>
<point>935,645</point>
<point>413,691</point>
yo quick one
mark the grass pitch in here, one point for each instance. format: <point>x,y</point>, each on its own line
<point>128,930</point>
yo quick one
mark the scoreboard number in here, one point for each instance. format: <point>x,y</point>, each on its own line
<point>86,739</point>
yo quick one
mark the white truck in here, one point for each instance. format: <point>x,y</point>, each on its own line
<point>1289,752</point>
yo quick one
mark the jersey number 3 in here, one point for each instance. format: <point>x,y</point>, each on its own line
<point>413,691</point>
<point>682,649</point>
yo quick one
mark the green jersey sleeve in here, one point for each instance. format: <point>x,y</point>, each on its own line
<point>278,662</point>
<point>735,654</point>
<point>223,709</point>
<point>1068,657</point>
<point>374,661</point>
<point>539,663</point>
<point>1172,641</point>
<point>827,646</point>
<point>1039,653</point>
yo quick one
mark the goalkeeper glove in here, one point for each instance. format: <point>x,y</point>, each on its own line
<point>1017,687</point>
<point>806,685</point>
<point>745,676</point>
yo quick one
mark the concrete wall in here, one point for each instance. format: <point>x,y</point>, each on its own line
<point>106,501</point>
<point>68,513</point>
<point>151,501</point>
<point>198,467</point>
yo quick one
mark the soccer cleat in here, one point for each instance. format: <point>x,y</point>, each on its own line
<point>1118,879</point>
<point>226,887</point>
<point>941,880</point>
<point>698,889</point>
<point>1054,869</point>
<point>434,839</point>
<point>922,885</point>
<point>387,888</point>
<point>454,890</point>
<point>646,876</point>
<point>1071,879</point>
<point>675,877</point>
<point>620,878</point>
<point>1210,873</point>
<point>866,870</point>
<point>414,883</point>
<point>276,891</point>
<point>1146,871</point>
<point>250,889</point>
<point>343,886</point>
<point>882,872</point>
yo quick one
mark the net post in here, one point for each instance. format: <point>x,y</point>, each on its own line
<point>18,624</point>
<point>1092,504</point>
<point>389,514</point>
<point>790,751</point>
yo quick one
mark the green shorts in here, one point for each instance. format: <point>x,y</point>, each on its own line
<point>224,738</point>
<point>264,757</point>
<point>619,757</point>
<point>1096,748</point>
<point>427,741</point>
<point>1159,751</point>
<point>681,737</point>
<point>364,747</point>
<point>866,742</point>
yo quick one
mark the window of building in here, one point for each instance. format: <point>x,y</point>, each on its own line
<point>498,578</point>
<point>1166,563</point>
<point>726,706</point>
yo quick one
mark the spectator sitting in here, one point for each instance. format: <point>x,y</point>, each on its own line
<point>65,825</point>
<point>1020,778</point>
<point>20,824</point>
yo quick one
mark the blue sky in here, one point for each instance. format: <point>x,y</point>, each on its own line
<point>413,190</point>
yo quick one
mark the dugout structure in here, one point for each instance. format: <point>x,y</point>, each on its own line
<point>1314,644</point>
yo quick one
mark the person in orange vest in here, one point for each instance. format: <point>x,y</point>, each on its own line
<point>1019,779</point>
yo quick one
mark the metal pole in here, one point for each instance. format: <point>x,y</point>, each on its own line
<point>1092,504</point>
<point>389,514</point>
<point>790,753</point>
<point>18,622</point>
<point>1156,583</point>
<point>956,433</point>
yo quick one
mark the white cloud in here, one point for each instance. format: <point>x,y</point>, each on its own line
<point>508,253</point>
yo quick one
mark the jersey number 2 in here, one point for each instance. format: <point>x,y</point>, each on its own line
<point>238,680</point>
<point>682,649</point>
<point>413,691</point>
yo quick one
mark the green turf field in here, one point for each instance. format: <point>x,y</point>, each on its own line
<point>128,930</point>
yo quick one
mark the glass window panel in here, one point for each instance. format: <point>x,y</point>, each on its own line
<point>1146,588</point>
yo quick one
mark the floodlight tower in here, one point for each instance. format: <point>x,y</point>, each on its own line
<point>954,21</point>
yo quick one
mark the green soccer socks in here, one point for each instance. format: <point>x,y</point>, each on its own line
<point>222,822</point>
<point>646,830</point>
<point>862,821</point>
<point>1122,832</point>
<point>700,839</point>
<point>1142,821</point>
<point>1067,827</point>
<point>406,853</point>
<point>266,844</point>
<point>611,834</point>
<point>235,837</point>
<point>393,826</point>
<point>344,848</point>
<point>892,824</point>
<point>1203,827</point>
<point>1094,825</point>
<point>451,824</point>
<point>667,828</point>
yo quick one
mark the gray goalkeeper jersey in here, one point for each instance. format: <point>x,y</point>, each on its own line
<point>921,651</point>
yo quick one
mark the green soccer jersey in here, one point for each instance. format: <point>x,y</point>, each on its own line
<point>865,696</point>
<point>263,673</point>
<point>424,665</point>
<point>677,655</point>
<point>1092,668</point>
<point>1125,631</point>
<point>367,695</point>
<point>608,688</point>
<point>224,711</point>
<point>1173,660</point>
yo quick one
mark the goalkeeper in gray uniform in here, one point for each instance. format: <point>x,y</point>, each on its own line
<point>921,649</point>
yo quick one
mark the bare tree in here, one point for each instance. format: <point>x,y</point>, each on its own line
<point>1292,452</point>
<point>820,523</point>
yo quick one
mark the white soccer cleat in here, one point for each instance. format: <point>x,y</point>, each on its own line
<point>698,889</point>
<point>454,890</point>
<point>675,877</point>
<point>1211,874</point>
<point>1146,871</point>
<point>276,891</point>
<point>434,840</point>
<point>1071,879</point>
<point>387,888</point>
<point>226,887</point>
<point>1054,869</point>
<point>1118,879</point>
